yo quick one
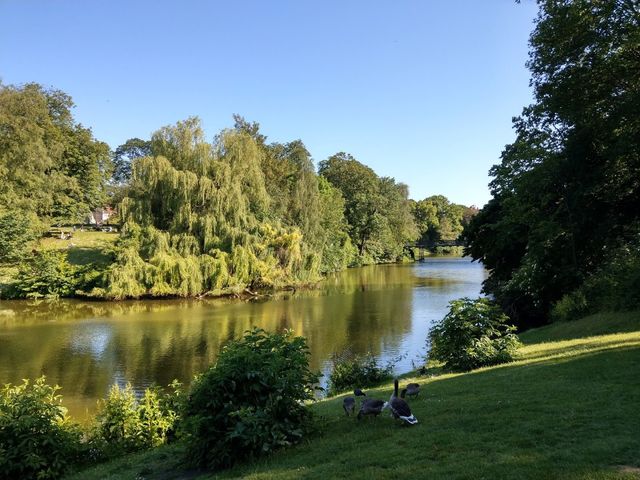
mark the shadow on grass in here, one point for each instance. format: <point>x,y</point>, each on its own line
<point>593,345</point>
<point>87,255</point>
<point>597,324</point>
<point>573,417</point>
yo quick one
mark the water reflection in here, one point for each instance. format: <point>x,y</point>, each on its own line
<point>87,346</point>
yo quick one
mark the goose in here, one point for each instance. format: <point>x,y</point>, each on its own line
<point>413,389</point>
<point>371,406</point>
<point>399,407</point>
<point>349,405</point>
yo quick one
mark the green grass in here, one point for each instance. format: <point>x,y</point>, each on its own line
<point>598,324</point>
<point>85,247</point>
<point>567,408</point>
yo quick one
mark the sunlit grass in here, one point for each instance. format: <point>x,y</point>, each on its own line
<point>567,408</point>
<point>83,248</point>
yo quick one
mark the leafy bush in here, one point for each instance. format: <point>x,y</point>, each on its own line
<point>251,401</point>
<point>473,334</point>
<point>17,230</point>
<point>614,286</point>
<point>36,438</point>
<point>126,424</point>
<point>46,274</point>
<point>350,371</point>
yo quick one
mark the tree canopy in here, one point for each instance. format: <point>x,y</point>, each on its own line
<point>566,195</point>
<point>377,209</point>
<point>49,164</point>
<point>199,217</point>
<point>440,220</point>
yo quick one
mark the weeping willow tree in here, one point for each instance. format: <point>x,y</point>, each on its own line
<point>199,219</point>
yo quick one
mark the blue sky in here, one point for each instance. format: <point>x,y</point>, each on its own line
<point>421,90</point>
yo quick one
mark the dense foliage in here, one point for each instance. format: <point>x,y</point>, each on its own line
<point>356,371</point>
<point>50,165</point>
<point>615,285</point>
<point>36,438</point>
<point>199,218</point>
<point>127,424</point>
<point>196,217</point>
<point>46,274</point>
<point>439,220</point>
<point>251,401</point>
<point>474,333</point>
<point>377,209</point>
<point>17,230</point>
<point>566,194</point>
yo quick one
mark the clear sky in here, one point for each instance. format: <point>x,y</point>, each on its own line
<point>420,90</point>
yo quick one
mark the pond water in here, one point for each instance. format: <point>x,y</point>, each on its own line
<point>85,347</point>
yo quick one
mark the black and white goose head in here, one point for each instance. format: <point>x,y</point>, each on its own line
<point>399,407</point>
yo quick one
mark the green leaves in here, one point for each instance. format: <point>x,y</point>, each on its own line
<point>357,371</point>
<point>473,334</point>
<point>127,424</point>
<point>566,190</point>
<point>17,229</point>
<point>251,401</point>
<point>377,209</point>
<point>49,165</point>
<point>36,438</point>
<point>48,274</point>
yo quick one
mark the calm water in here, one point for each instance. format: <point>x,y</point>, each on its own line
<point>87,346</point>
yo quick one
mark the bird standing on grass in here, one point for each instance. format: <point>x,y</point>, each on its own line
<point>399,407</point>
<point>412,390</point>
<point>371,406</point>
<point>349,405</point>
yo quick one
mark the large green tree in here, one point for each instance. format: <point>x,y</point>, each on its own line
<point>377,209</point>
<point>124,155</point>
<point>49,164</point>
<point>301,199</point>
<point>567,192</point>
<point>439,220</point>
<point>198,219</point>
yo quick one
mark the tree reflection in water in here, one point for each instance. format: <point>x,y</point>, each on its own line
<point>87,346</point>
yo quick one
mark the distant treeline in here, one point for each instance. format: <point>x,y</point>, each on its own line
<point>196,216</point>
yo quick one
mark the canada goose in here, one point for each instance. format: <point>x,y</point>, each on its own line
<point>349,405</point>
<point>371,406</point>
<point>413,389</point>
<point>399,408</point>
<point>359,393</point>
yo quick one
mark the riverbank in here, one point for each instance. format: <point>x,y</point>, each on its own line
<point>95,250</point>
<point>87,346</point>
<point>566,408</point>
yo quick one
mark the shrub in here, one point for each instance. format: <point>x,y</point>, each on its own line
<point>36,438</point>
<point>251,401</point>
<point>126,424</point>
<point>46,274</point>
<point>17,230</point>
<point>350,371</point>
<point>614,286</point>
<point>473,334</point>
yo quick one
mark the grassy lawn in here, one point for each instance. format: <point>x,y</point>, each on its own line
<point>567,408</point>
<point>85,247</point>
